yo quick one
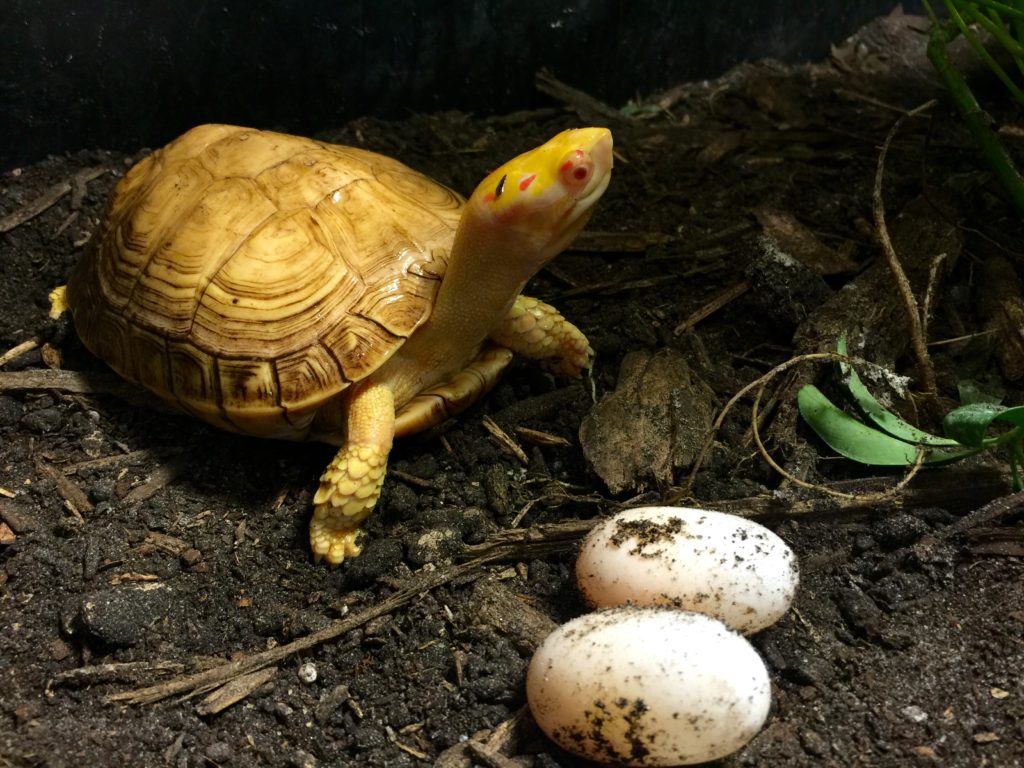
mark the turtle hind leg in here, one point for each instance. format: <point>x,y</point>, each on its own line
<point>350,486</point>
<point>58,301</point>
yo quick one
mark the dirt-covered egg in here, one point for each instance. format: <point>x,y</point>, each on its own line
<point>648,687</point>
<point>717,564</point>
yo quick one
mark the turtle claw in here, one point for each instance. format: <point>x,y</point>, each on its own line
<point>333,545</point>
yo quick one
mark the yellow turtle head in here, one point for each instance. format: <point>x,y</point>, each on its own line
<point>540,200</point>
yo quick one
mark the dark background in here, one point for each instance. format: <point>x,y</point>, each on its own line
<point>121,74</point>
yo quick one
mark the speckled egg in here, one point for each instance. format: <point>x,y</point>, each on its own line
<point>709,562</point>
<point>648,687</point>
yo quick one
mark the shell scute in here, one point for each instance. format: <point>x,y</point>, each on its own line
<point>148,351</point>
<point>302,375</point>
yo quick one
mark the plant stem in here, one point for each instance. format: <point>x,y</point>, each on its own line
<point>979,48</point>
<point>917,339</point>
<point>974,116</point>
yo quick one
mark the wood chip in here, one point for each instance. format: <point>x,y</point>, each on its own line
<point>418,754</point>
<point>131,577</point>
<point>161,476</point>
<point>51,356</point>
<point>504,440</point>
<point>536,437</point>
<point>17,518</point>
<point>162,542</point>
<point>235,690</point>
<point>7,536</point>
<point>73,496</point>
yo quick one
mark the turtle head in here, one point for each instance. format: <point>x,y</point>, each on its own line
<point>534,205</point>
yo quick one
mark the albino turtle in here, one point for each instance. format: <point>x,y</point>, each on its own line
<point>282,287</point>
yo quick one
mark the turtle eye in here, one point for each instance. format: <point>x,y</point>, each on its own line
<point>501,186</point>
<point>575,170</point>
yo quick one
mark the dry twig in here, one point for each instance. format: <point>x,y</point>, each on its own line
<point>914,318</point>
<point>207,680</point>
<point>18,350</point>
<point>717,302</point>
<point>49,198</point>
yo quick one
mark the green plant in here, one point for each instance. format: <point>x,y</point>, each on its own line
<point>891,441</point>
<point>1005,22</point>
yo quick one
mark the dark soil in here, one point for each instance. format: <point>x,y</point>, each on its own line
<point>138,545</point>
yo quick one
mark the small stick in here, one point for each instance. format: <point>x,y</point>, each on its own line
<point>405,477</point>
<point>902,282</point>
<point>537,437</point>
<point>504,440</point>
<point>20,349</point>
<point>211,678</point>
<point>583,103</point>
<point>619,242</point>
<point>61,380</point>
<point>929,294</point>
<point>126,671</point>
<point>610,287</point>
<point>48,199</point>
<point>118,458</point>
<point>717,302</point>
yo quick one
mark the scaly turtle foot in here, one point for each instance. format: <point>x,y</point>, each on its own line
<point>350,486</point>
<point>538,331</point>
<point>348,491</point>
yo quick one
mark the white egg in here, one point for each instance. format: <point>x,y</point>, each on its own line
<point>710,562</point>
<point>648,687</point>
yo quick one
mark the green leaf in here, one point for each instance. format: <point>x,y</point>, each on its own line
<point>856,440</point>
<point>970,392</point>
<point>849,437</point>
<point>970,423</point>
<point>885,419</point>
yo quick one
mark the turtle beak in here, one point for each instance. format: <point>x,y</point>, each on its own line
<point>601,156</point>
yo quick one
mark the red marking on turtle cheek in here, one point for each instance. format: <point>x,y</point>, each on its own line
<point>566,166</point>
<point>527,182</point>
<point>489,197</point>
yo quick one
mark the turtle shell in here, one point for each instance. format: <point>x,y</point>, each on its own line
<point>248,277</point>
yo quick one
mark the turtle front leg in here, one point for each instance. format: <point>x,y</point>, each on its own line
<point>350,486</point>
<point>538,331</point>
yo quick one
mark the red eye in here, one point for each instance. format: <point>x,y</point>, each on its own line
<point>575,169</point>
